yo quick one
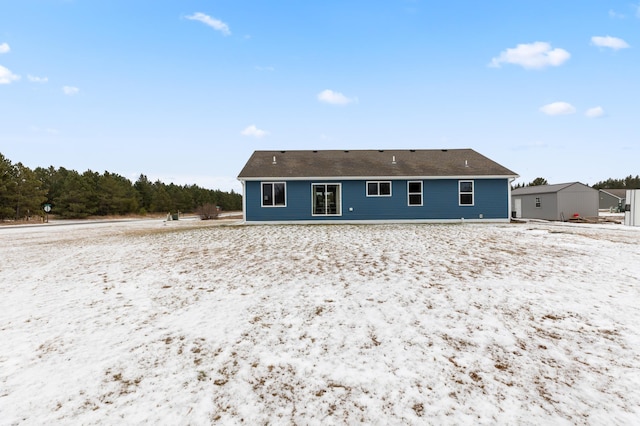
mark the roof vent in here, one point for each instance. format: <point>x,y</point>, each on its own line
<point>274,160</point>
<point>393,160</point>
<point>444,150</point>
<point>315,150</point>
<point>381,150</point>
<point>346,150</point>
<point>283,151</point>
<point>466,163</point>
<point>412,150</point>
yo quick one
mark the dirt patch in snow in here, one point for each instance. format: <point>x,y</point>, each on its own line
<point>192,322</point>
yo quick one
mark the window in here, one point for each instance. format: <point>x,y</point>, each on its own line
<point>466,192</point>
<point>414,188</point>
<point>537,201</point>
<point>326,199</point>
<point>274,194</point>
<point>378,189</point>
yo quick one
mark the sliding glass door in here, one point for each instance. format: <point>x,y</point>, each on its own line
<point>326,199</point>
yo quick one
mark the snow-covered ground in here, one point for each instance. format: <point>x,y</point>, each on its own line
<point>189,322</point>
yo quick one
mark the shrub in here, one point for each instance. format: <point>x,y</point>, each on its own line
<point>208,211</point>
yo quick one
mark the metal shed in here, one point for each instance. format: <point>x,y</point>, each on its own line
<point>612,199</point>
<point>632,208</point>
<point>555,202</point>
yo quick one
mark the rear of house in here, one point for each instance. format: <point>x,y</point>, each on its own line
<point>555,202</point>
<point>356,186</point>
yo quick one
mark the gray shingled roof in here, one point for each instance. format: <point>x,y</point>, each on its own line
<point>620,193</point>
<point>542,189</point>
<point>371,163</point>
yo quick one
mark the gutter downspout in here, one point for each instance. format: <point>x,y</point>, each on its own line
<point>244,201</point>
<point>510,180</point>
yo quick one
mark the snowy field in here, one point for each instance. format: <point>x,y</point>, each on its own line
<point>190,322</point>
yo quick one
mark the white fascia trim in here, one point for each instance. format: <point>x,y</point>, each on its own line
<point>377,178</point>
<point>610,194</point>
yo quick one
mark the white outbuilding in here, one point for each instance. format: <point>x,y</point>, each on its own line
<point>632,208</point>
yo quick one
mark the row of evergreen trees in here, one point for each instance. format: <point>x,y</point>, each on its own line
<point>24,192</point>
<point>536,182</point>
<point>629,182</point>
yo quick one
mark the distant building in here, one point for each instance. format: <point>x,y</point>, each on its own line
<point>612,199</point>
<point>555,202</point>
<point>343,186</point>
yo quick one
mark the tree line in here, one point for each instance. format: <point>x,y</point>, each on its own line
<point>537,181</point>
<point>24,192</point>
<point>629,182</point>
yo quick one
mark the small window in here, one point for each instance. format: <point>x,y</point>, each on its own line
<point>537,201</point>
<point>378,189</point>
<point>415,193</point>
<point>274,194</point>
<point>466,192</point>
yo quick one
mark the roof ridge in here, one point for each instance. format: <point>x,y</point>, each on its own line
<point>335,163</point>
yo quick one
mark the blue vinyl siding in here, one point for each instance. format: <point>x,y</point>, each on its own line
<point>440,201</point>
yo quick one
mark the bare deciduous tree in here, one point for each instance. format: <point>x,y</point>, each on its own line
<point>207,211</point>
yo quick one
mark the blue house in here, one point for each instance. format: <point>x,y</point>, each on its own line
<point>359,186</point>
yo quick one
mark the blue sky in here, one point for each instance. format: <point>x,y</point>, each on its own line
<point>184,91</point>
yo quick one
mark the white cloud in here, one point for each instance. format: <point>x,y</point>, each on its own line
<point>532,56</point>
<point>4,48</point>
<point>48,130</point>
<point>615,15</point>
<point>614,43</point>
<point>34,79</point>
<point>334,98</point>
<point>594,112</point>
<point>558,108</point>
<point>70,90</point>
<point>6,76</point>
<point>214,23</point>
<point>254,132</point>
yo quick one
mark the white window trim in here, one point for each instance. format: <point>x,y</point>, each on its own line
<point>272,194</point>
<point>473,193</point>
<point>378,182</point>
<point>339,200</point>
<point>409,194</point>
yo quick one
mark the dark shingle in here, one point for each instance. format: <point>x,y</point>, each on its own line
<point>542,189</point>
<point>620,193</point>
<point>371,163</point>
